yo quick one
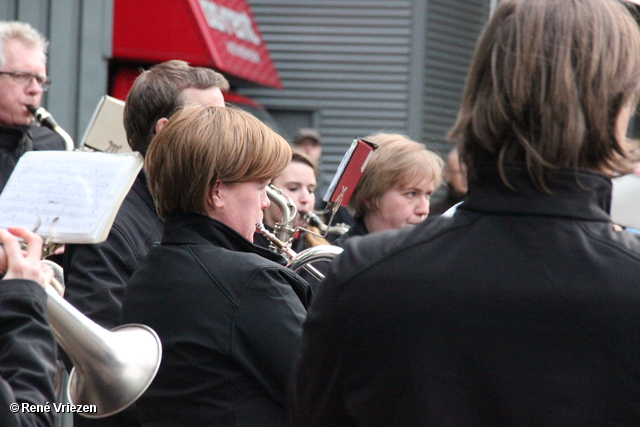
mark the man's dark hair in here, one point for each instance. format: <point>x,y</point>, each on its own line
<point>156,93</point>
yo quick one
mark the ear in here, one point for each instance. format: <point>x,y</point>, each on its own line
<point>160,124</point>
<point>216,197</point>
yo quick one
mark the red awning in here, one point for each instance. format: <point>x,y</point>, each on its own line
<point>220,34</point>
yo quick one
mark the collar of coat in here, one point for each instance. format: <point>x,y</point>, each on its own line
<point>12,136</point>
<point>582,195</point>
<point>142,189</point>
<point>188,228</point>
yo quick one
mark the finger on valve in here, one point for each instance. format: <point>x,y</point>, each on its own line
<point>20,265</point>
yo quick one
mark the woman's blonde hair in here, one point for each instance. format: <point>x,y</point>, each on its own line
<point>547,83</point>
<point>203,144</point>
<point>397,161</point>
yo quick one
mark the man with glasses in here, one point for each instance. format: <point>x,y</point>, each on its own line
<point>23,80</point>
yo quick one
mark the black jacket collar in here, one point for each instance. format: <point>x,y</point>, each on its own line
<point>142,189</point>
<point>358,228</point>
<point>188,228</point>
<point>12,136</point>
<point>584,194</point>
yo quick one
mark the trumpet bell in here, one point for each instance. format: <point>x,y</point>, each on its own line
<point>313,254</point>
<point>134,365</point>
<point>112,369</point>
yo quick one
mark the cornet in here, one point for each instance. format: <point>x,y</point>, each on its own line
<point>337,229</point>
<point>280,241</point>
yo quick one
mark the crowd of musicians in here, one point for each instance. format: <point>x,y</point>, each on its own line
<point>520,306</point>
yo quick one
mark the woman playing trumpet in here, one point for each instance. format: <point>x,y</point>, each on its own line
<point>298,181</point>
<point>229,317</point>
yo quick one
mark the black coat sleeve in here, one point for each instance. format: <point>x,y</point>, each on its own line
<point>96,276</point>
<point>27,354</point>
<point>314,392</point>
<point>268,328</point>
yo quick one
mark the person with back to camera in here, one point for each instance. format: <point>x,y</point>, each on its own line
<point>96,275</point>
<point>523,309</point>
<point>27,347</point>
<point>395,187</point>
<point>23,81</point>
<point>228,314</point>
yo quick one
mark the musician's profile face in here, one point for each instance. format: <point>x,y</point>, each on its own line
<point>14,95</point>
<point>402,205</point>
<point>298,181</point>
<point>240,205</point>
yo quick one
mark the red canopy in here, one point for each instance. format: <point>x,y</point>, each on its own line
<point>220,34</point>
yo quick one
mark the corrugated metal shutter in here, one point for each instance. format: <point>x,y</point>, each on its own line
<point>347,60</point>
<point>452,31</point>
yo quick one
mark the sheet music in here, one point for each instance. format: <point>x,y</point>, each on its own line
<point>77,192</point>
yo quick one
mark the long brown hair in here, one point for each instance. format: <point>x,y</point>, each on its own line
<point>546,86</point>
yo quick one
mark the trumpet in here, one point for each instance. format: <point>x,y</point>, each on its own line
<point>46,119</point>
<point>283,230</point>
<point>303,259</point>
<point>314,220</point>
<point>112,369</point>
<point>280,240</point>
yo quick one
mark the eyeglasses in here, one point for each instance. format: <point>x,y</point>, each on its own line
<point>24,78</point>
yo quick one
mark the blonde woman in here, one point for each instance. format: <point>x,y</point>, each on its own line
<point>395,187</point>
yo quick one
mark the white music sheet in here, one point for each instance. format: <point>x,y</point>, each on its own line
<point>69,196</point>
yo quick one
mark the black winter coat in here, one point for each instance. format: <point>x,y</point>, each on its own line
<point>521,310</point>
<point>16,140</point>
<point>27,355</point>
<point>230,320</point>
<point>96,275</point>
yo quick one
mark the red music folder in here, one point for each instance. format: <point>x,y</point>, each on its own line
<point>349,171</point>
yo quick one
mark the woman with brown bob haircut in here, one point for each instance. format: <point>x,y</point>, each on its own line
<point>395,187</point>
<point>228,314</point>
